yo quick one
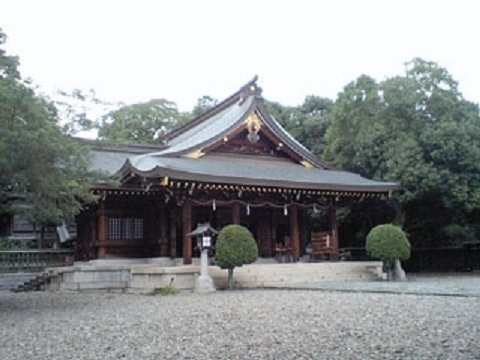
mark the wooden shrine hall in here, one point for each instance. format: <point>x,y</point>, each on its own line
<point>233,164</point>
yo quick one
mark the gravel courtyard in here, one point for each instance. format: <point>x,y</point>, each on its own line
<point>241,324</point>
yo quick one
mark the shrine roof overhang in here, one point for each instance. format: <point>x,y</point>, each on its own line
<point>252,171</point>
<point>109,159</point>
<point>204,133</point>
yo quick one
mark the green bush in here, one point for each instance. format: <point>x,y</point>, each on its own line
<point>166,291</point>
<point>235,247</point>
<point>388,242</point>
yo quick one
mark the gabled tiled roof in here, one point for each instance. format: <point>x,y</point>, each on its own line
<point>208,130</point>
<point>224,119</point>
<point>189,154</point>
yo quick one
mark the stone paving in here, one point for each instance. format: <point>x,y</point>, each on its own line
<point>448,284</point>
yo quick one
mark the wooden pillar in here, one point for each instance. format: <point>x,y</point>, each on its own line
<point>302,225</point>
<point>236,213</point>
<point>187,229</point>
<point>173,234</point>
<point>333,212</point>
<point>273,231</point>
<point>263,233</point>
<point>92,241</point>
<point>163,250</point>
<point>102,230</point>
<point>294,233</point>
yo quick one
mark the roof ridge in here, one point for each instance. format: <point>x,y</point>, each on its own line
<point>240,95</point>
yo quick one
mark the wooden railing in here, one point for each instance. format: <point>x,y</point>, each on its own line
<point>34,260</point>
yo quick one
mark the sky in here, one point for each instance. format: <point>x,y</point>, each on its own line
<point>134,51</point>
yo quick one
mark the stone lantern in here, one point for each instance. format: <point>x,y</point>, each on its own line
<point>205,236</point>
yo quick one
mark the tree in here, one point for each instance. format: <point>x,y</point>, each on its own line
<point>80,111</point>
<point>204,104</point>
<point>390,244</point>
<point>235,247</point>
<point>353,131</point>
<point>42,170</point>
<point>142,123</point>
<point>307,123</point>
<point>418,131</point>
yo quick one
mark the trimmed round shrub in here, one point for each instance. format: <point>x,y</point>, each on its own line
<point>235,247</point>
<point>388,242</point>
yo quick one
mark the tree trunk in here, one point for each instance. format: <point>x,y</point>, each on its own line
<point>387,268</point>
<point>230,278</point>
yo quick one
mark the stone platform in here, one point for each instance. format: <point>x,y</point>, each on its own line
<point>143,275</point>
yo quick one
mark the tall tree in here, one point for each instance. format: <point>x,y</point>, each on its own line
<point>41,168</point>
<point>353,129</point>
<point>145,123</point>
<point>416,130</point>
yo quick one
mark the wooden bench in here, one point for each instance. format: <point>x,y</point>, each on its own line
<point>321,246</point>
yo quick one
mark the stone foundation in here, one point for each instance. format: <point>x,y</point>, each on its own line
<point>135,275</point>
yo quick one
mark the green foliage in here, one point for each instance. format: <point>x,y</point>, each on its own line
<point>388,242</point>
<point>143,123</point>
<point>79,110</point>
<point>418,131</point>
<point>204,104</point>
<point>360,217</point>
<point>166,291</point>
<point>456,233</point>
<point>307,123</point>
<point>235,247</point>
<point>40,165</point>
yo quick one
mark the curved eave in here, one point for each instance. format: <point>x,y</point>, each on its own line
<point>162,173</point>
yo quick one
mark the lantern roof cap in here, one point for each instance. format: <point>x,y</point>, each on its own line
<point>203,228</point>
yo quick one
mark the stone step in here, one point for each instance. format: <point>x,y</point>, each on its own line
<point>35,284</point>
<point>276,275</point>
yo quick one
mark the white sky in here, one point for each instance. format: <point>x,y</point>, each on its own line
<point>134,51</point>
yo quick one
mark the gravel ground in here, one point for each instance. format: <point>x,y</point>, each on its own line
<point>241,324</point>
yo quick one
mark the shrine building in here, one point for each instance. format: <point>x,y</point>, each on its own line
<point>233,164</point>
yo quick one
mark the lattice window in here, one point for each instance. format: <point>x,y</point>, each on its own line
<point>138,229</point>
<point>125,228</point>
<point>114,228</point>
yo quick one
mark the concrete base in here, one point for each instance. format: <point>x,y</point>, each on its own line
<point>144,277</point>
<point>398,273</point>
<point>204,284</point>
